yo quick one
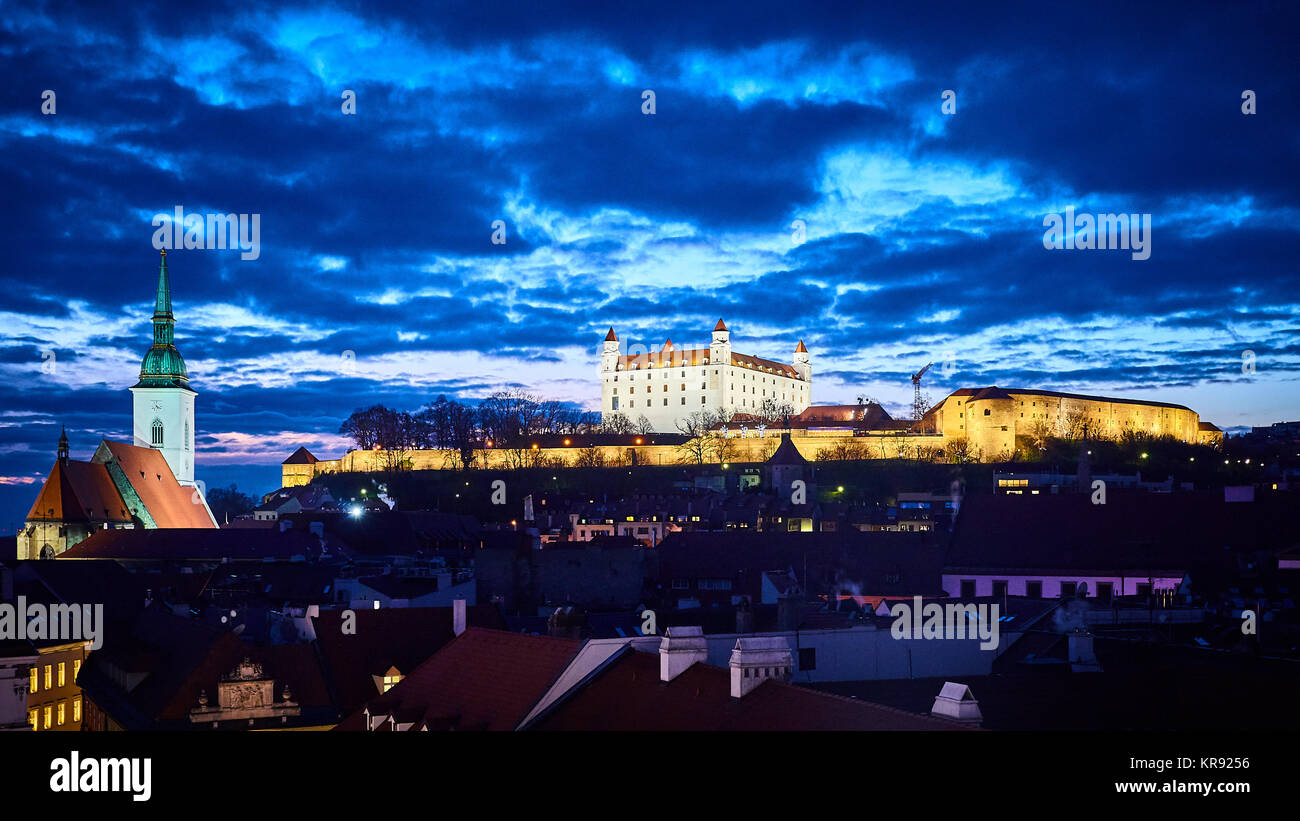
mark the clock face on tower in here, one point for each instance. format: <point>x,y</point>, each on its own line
<point>157,406</point>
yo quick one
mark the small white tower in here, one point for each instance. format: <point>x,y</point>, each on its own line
<point>609,353</point>
<point>163,399</point>
<point>801,362</point>
<point>720,347</point>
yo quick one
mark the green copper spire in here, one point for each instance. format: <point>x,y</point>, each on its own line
<point>163,303</point>
<point>163,366</point>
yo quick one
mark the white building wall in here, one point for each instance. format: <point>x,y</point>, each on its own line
<point>666,394</point>
<point>174,408</point>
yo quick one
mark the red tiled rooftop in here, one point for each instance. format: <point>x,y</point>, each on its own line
<point>484,679</point>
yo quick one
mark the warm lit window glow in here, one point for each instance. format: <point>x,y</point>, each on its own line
<point>390,682</point>
<point>49,676</point>
<point>35,680</point>
<point>49,717</point>
<point>63,680</point>
<point>63,712</point>
<point>76,709</point>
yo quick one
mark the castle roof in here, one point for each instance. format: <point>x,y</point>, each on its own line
<point>1012,393</point>
<point>993,392</point>
<point>800,348</point>
<point>301,456</point>
<point>610,337</point>
<point>721,326</point>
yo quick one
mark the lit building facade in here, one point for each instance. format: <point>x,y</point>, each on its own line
<point>671,383</point>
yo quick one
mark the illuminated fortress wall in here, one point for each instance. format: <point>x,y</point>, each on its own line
<point>991,418</point>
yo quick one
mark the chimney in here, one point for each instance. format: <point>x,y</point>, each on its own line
<point>957,702</point>
<point>789,612</point>
<point>1082,657</point>
<point>680,648</point>
<point>458,616</point>
<point>744,617</point>
<point>756,659</point>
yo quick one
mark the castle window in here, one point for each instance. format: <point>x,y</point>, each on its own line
<point>987,412</point>
<point>187,434</point>
<point>157,433</point>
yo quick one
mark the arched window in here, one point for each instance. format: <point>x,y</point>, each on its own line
<point>157,433</point>
<point>187,434</point>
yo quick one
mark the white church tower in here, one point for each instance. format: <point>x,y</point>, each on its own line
<point>163,399</point>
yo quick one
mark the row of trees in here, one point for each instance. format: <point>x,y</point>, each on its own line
<point>507,420</point>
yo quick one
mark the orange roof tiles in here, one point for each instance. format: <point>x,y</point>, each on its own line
<point>97,493</point>
<point>765,364</point>
<point>57,501</point>
<point>167,501</point>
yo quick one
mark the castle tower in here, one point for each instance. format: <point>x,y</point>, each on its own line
<point>802,363</point>
<point>163,401</point>
<point>720,347</point>
<point>609,353</point>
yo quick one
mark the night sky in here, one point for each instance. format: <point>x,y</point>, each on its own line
<point>378,281</point>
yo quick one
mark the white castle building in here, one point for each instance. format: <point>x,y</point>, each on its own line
<point>671,383</point>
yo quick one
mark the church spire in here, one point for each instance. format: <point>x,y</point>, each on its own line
<point>163,365</point>
<point>164,324</point>
<point>63,445</point>
<point>163,303</point>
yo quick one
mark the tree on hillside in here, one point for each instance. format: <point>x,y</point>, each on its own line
<point>227,503</point>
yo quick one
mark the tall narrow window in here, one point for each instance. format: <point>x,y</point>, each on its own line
<point>187,434</point>
<point>157,433</point>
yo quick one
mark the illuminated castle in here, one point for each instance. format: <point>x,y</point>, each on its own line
<point>671,383</point>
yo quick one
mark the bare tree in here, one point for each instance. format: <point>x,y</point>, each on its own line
<point>724,448</point>
<point>590,457</point>
<point>616,422</point>
<point>644,425</point>
<point>773,412</point>
<point>695,427</point>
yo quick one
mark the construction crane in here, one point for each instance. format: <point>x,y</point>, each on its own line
<point>917,408</point>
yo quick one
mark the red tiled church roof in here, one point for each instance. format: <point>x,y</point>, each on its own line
<point>168,502</point>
